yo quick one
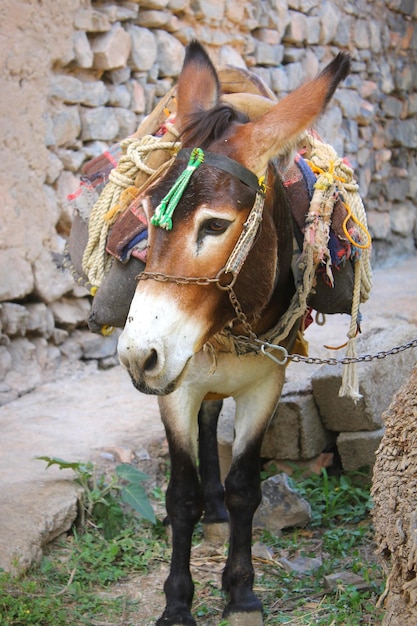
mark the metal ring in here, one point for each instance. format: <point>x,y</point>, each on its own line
<point>225,286</point>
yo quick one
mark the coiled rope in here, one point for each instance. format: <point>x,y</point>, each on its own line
<point>118,194</point>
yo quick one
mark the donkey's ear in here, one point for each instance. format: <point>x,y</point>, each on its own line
<point>198,85</point>
<point>276,131</point>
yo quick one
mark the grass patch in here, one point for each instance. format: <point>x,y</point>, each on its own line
<point>82,578</point>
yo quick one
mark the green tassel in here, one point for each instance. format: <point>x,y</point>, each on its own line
<point>163,213</point>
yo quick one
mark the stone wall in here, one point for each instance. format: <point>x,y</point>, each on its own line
<point>78,75</point>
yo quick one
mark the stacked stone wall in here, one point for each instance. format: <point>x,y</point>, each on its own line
<point>79,75</point>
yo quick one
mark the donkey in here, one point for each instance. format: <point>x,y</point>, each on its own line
<point>201,297</point>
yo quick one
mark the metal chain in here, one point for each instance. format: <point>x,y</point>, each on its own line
<point>252,342</point>
<point>179,280</point>
<point>359,359</point>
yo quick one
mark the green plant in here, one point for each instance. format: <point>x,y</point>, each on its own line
<point>344,497</point>
<point>101,498</point>
<point>75,580</point>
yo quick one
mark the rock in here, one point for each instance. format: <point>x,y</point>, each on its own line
<point>209,10</point>
<point>301,564</point>
<point>111,49</point>
<point>14,319</point>
<point>84,56</point>
<point>144,49</point>
<point>379,379</point>
<point>50,510</point>
<point>95,93</point>
<point>267,54</point>
<point>261,551</point>
<point>66,126</point>
<point>296,431</point>
<point>281,506</point>
<point>122,12</point>
<point>95,346</point>
<point>99,123</point>
<point>330,16</point>
<point>358,449</point>
<point>344,578</point>
<point>127,122</point>
<point>170,54</point>
<point>296,32</point>
<point>138,98</point>
<point>41,319</point>
<point>119,96</point>
<point>70,312</point>
<point>91,21</point>
<point>50,283</point>
<point>154,19</point>
<point>66,88</point>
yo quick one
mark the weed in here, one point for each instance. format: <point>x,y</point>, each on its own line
<point>101,500</point>
<point>344,497</point>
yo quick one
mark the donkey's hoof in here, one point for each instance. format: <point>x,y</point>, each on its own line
<point>217,533</point>
<point>253,618</point>
<point>176,620</point>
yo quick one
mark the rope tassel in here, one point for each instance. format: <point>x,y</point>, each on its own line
<point>164,211</point>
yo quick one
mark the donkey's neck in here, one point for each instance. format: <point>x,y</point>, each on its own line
<point>284,280</point>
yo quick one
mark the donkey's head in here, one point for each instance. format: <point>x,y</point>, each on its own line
<point>204,200</point>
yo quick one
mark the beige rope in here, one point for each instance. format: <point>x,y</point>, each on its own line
<point>116,196</point>
<point>336,173</point>
<point>333,173</point>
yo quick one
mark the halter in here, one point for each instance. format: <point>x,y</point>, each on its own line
<point>233,265</point>
<point>164,212</point>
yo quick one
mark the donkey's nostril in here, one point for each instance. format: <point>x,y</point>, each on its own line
<point>151,360</point>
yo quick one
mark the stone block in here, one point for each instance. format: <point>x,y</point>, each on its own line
<point>127,122</point>
<point>379,379</point>
<point>111,50</point>
<point>401,218</point>
<point>358,449</point>
<point>170,54</point>
<point>379,224</point>
<point>70,312</point>
<point>268,54</point>
<point>17,282</point>
<point>209,10</point>
<point>296,32</point>
<point>330,17</point>
<point>94,94</point>
<point>66,88</point>
<point>119,96</point>
<point>96,346</point>
<point>66,126</point>
<point>92,21</point>
<point>14,319</point>
<point>154,19</point>
<point>296,431</point>
<point>84,56</point>
<point>99,123</point>
<point>50,283</point>
<point>41,319</point>
<point>144,50</point>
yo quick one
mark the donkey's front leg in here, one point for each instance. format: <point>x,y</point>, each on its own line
<point>243,495</point>
<point>184,503</point>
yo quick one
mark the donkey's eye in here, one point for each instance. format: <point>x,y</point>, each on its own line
<point>214,226</point>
